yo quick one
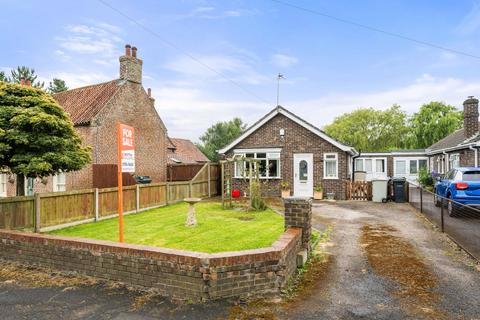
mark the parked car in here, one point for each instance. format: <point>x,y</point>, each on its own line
<point>462,185</point>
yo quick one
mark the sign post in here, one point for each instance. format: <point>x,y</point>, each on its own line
<point>125,163</point>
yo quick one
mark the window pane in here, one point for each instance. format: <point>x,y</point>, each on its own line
<point>471,176</point>
<point>261,155</point>
<point>303,170</point>
<point>331,169</point>
<point>358,164</point>
<point>400,166</point>
<point>273,168</point>
<point>413,167</point>
<point>380,165</point>
<point>422,164</point>
<point>240,168</point>
<point>368,165</point>
<point>263,168</point>
<point>274,155</point>
<point>250,155</point>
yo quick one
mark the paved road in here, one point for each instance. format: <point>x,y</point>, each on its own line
<point>353,287</point>
<point>464,228</point>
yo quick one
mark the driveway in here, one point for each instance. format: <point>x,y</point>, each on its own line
<point>386,262</point>
<point>418,275</point>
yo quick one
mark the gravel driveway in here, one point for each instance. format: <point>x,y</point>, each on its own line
<point>353,289</point>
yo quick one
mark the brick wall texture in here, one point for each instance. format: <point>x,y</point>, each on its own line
<point>175,273</point>
<point>298,214</point>
<point>297,140</point>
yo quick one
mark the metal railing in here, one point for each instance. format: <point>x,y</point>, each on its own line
<point>460,222</point>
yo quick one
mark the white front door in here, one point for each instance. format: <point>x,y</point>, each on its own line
<point>303,174</point>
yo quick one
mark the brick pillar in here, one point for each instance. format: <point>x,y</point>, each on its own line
<point>298,213</point>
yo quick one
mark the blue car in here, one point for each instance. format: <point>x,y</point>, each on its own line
<point>461,185</point>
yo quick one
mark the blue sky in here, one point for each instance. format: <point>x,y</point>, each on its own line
<point>330,67</point>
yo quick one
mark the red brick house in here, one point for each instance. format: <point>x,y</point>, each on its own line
<point>291,149</point>
<point>184,151</point>
<point>94,110</point>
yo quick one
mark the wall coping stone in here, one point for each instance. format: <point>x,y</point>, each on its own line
<point>294,199</point>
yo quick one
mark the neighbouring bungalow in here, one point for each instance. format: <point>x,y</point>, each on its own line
<point>94,111</point>
<point>184,151</point>
<point>459,149</point>
<point>290,149</point>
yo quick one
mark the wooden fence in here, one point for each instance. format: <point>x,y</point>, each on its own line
<point>359,190</point>
<point>183,172</point>
<point>105,176</point>
<point>49,211</point>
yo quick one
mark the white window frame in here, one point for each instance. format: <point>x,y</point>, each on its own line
<point>374,163</point>
<point>56,184</point>
<point>454,157</point>
<point>407,160</point>
<point>3,184</point>
<point>243,152</point>
<point>325,165</point>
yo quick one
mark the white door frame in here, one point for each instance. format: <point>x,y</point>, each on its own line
<point>302,188</point>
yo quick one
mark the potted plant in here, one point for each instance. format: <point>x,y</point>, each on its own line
<point>285,189</point>
<point>318,192</point>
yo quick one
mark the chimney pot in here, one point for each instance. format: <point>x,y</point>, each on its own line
<point>28,82</point>
<point>127,50</point>
<point>149,91</point>
<point>22,82</point>
<point>134,52</point>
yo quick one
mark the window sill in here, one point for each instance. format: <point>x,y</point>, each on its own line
<point>261,178</point>
<point>330,178</point>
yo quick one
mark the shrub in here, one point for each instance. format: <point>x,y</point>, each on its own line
<point>425,178</point>
<point>256,201</point>
<point>285,185</point>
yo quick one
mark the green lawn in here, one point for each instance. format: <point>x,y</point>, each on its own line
<point>217,230</point>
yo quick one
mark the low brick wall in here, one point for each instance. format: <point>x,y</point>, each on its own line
<point>175,273</point>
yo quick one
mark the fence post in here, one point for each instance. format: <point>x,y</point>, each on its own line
<point>421,199</point>
<point>37,212</point>
<point>190,189</point>
<point>209,180</point>
<point>137,196</point>
<point>442,226</point>
<point>167,186</point>
<point>97,207</point>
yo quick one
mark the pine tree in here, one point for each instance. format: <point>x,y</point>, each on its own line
<point>25,73</point>
<point>37,137</point>
<point>56,86</point>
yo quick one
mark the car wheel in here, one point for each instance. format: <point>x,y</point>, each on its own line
<point>452,208</point>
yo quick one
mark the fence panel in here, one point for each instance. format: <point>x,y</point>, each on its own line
<point>183,172</point>
<point>153,195</point>
<point>17,213</point>
<point>108,198</point>
<point>65,207</point>
<point>460,222</point>
<point>178,191</point>
<point>106,176</point>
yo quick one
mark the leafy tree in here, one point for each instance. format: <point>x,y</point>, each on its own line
<point>56,86</point>
<point>37,137</point>
<point>368,129</point>
<point>3,77</point>
<point>26,74</point>
<point>219,135</point>
<point>433,122</point>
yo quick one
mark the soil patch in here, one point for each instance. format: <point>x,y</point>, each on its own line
<point>396,259</point>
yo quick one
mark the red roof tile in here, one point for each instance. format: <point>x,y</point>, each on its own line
<point>84,103</point>
<point>185,152</point>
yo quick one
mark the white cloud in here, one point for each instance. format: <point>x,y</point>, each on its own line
<point>283,60</point>
<point>75,80</point>
<point>241,69</point>
<point>174,103</point>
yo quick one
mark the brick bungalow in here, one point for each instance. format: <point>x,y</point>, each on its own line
<point>291,149</point>
<point>459,149</point>
<point>94,110</point>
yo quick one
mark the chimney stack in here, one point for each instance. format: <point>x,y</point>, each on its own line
<point>149,92</point>
<point>470,117</point>
<point>22,82</point>
<point>28,83</point>
<point>130,65</point>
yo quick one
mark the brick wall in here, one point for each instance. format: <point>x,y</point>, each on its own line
<point>175,273</point>
<point>297,139</point>
<point>298,214</point>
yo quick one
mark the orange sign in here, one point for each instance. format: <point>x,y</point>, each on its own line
<point>126,163</point>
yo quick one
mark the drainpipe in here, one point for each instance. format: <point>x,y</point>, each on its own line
<point>353,164</point>
<point>445,162</point>
<point>475,149</point>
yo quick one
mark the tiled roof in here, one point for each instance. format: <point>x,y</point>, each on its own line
<point>185,152</point>
<point>84,103</point>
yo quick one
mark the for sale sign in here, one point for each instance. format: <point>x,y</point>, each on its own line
<point>127,148</point>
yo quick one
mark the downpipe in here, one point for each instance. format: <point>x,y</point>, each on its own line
<point>475,150</point>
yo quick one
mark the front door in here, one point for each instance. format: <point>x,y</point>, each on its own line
<point>303,174</point>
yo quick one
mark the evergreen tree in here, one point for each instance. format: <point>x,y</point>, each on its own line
<point>219,135</point>
<point>3,77</point>
<point>56,86</point>
<point>27,74</point>
<point>37,137</point>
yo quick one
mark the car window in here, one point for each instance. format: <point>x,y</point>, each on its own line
<point>471,176</point>
<point>452,174</point>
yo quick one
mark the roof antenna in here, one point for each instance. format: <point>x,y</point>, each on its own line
<point>279,77</point>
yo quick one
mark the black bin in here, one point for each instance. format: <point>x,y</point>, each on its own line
<point>143,179</point>
<point>400,190</point>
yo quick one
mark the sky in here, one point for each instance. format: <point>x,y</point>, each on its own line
<point>209,61</point>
